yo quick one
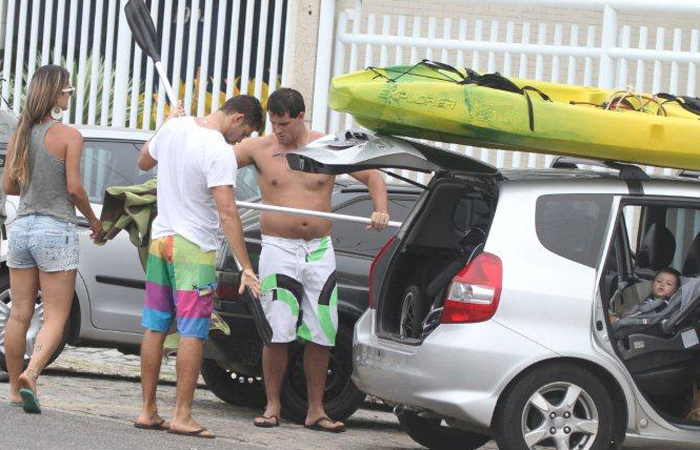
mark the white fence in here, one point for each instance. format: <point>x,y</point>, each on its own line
<point>611,54</point>
<point>116,85</point>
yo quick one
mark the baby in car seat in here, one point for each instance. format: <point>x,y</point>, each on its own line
<point>666,283</point>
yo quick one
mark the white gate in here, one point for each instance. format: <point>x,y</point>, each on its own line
<point>236,45</point>
<point>605,54</point>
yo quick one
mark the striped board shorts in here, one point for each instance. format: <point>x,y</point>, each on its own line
<point>180,284</point>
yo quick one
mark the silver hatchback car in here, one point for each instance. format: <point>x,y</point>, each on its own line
<point>501,308</point>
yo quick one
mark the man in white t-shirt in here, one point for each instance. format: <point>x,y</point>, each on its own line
<point>196,180</point>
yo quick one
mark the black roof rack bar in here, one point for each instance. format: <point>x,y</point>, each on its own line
<point>626,171</point>
<point>687,173</point>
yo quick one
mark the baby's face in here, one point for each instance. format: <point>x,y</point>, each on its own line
<point>664,285</point>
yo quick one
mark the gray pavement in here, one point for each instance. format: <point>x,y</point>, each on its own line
<point>90,398</point>
<point>57,430</point>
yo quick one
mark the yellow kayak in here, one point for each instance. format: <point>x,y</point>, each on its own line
<point>437,102</point>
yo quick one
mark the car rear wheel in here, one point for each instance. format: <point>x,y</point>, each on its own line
<point>233,387</point>
<point>433,434</point>
<point>34,325</point>
<point>341,397</point>
<point>559,406</point>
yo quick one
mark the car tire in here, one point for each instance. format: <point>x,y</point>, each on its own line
<point>35,325</point>
<point>341,398</point>
<point>432,434</point>
<point>536,406</point>
<point>233,388</point>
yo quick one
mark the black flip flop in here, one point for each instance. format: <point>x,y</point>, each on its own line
<point>158,426</point>
<point>195,433</point>
<point>316,426</point>
<point>267,424</point>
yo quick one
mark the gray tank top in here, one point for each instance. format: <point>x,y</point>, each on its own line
<point>47,192</point>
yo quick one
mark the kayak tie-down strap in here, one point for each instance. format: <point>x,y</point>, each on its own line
<point>690,104</point>
<point>490,80</point>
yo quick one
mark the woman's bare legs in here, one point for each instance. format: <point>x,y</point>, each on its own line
<point>23,287</point>
<point>57,292</point>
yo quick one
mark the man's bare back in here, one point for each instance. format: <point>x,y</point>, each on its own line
<point>283,186</point>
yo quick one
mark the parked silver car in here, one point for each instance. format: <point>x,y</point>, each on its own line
<point>496,310</point>
<point>110,285</point>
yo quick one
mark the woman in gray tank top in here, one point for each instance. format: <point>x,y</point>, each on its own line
<point>43,168</point>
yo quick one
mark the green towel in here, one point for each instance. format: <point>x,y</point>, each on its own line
<point>129,208</point>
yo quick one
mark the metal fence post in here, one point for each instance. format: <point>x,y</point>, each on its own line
<point>606,75</point>
<point>121,72</point>
<point>323,65</point>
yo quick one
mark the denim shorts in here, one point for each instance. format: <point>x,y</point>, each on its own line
<point>44,242</point>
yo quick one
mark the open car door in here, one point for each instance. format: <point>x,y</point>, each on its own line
<point>353,150</point>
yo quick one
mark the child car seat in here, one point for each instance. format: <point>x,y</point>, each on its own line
<point>661,348</point>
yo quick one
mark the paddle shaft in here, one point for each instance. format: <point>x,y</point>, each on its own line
<point>166,84</point>
<point>306,212</point>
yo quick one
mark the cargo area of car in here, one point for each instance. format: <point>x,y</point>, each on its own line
<point>449,230</point>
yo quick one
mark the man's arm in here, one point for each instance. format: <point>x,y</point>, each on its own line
<point>377,190</point>
<point>233,230</point>
<point>244,153</point>
<point>146,161</point>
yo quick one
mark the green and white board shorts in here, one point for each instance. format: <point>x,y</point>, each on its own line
<point>299,293</point>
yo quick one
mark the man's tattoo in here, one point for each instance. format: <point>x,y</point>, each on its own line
<point>38,347</point>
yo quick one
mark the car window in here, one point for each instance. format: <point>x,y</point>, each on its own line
<point>573,226</point>
<point>666,234</point>
<point>354,238</point>
<point>110,163</point>
<point>113,163</point>
<point>684,224</point>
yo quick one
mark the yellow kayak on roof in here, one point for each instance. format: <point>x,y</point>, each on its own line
<point>437,102</point>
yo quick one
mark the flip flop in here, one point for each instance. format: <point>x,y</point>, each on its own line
<point>30,403</point>
<point>15,404</point>
<point>267,424</point>
<point>195,433</point>
<point>316,426</point>
<point>158,426</point>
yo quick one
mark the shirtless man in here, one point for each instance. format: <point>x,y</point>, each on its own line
<point>297,263</point>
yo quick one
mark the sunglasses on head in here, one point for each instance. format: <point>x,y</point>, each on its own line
<point>69,90</point>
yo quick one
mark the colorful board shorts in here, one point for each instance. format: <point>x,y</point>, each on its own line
<point>180,284</point>
<point>298,289</point>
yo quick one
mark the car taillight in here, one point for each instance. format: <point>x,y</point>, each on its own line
<point>474,293</point>
<point>227,286</point>
<point>372,268</point>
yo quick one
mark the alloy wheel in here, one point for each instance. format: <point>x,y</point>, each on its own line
<point>561,416</point>
<point>34,325</point>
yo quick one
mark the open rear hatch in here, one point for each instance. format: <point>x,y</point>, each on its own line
<point>353,150</point>
<point>447,228</point>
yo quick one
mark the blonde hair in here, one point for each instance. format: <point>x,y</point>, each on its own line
<point>44,89</point>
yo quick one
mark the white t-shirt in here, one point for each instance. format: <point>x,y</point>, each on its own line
<point>191,160</point>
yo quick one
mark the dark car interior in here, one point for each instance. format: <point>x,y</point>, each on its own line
<point>657,342</point>
<point>450,231</point>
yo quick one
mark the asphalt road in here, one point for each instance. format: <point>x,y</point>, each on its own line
<point>57,430</point>
<point>90,398</point>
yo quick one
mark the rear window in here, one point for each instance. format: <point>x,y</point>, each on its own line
<point>573,226</point>
<point>355,238</point>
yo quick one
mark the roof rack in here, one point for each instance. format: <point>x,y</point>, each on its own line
<point>687,173</point>
<point>625,171</point>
